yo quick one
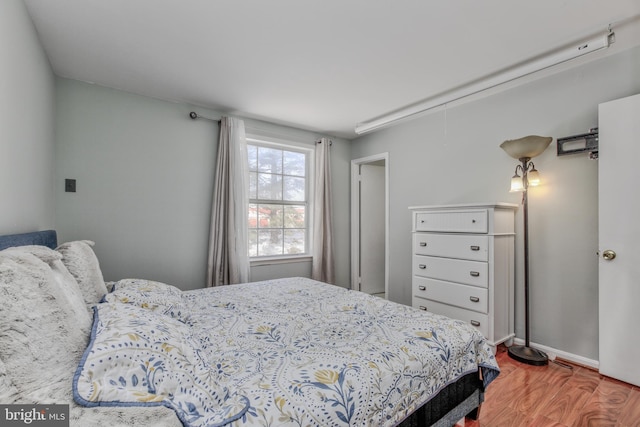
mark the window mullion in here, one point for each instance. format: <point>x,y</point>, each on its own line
<point>278,202</point>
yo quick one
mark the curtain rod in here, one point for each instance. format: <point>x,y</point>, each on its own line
<point>195,116</point>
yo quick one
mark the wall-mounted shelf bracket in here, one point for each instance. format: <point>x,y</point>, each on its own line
<point>586,142</point>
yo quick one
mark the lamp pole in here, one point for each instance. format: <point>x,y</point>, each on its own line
<point>525,353</point>
<point>525,215</point>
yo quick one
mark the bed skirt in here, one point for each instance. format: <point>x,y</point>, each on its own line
<point>452,403</point>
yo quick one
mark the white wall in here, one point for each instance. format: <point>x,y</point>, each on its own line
<point>454,157</point>
<point>144,174</point>
<point>26,124</point>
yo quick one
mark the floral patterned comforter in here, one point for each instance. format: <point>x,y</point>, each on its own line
<point>286,352</point>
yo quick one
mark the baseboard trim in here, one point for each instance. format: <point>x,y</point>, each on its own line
<point>569,357</point>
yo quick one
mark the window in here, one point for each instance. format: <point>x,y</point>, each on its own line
<point>279,207</point>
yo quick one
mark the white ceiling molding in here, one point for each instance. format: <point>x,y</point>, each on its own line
<point>524,69</point>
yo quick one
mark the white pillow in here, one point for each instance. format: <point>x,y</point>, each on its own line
<point>8,391</point>
<point>83,265</point>
<point>66,288</point>
<point>43,253</point>
<point>40,343</point>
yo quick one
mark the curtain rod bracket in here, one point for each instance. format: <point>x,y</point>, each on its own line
<point>193,115</point>
<point>320,142</point>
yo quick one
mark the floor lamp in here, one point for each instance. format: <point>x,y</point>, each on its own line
<point>524,149</point>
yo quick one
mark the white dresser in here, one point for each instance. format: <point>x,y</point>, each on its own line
<point>463,265</point>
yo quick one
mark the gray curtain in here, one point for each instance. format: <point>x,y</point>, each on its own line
<point>228,253</point>
<point>323,267</point>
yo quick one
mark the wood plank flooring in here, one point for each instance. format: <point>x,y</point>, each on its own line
<point>556,396</point>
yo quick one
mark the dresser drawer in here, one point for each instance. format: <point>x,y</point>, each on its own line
<point>471,247</point>
<point>479,320</point>
<point>463,296</point>
<point>463,221</point>
<point>453,270</point>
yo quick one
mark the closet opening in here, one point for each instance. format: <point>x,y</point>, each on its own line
<point>370,224</point>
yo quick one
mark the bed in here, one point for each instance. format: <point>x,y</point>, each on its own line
<point>281,352</point>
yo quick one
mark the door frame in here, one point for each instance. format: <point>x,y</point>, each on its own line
<point>355,218</point>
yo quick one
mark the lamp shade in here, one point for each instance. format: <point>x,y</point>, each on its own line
<point>516,184</point>
<point>533,177</point>
<point>529,146</point>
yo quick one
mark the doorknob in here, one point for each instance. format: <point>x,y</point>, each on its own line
<point>608,255</point>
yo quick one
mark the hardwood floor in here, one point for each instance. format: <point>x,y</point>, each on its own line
<point>556,396</point>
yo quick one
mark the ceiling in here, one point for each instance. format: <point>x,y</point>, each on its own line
<point>317,65</point>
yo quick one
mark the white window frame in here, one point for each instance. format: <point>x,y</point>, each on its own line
<point>289,145</point>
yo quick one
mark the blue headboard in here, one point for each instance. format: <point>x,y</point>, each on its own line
<point>47,238</point>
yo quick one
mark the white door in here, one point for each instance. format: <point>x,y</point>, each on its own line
<point>372,228</point>
<point>619,231</point>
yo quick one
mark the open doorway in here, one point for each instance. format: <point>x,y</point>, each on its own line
<point>369,224</point>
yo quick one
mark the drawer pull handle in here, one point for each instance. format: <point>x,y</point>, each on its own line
<point>473,221</point>
<point>423,244</point>
<point>422,267</point>
<point>475,323</point>
<point>474,299</point>
<point>423,308</point>
<point>422,288</point>
<point>475,248</point>
<point>474,273</point>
